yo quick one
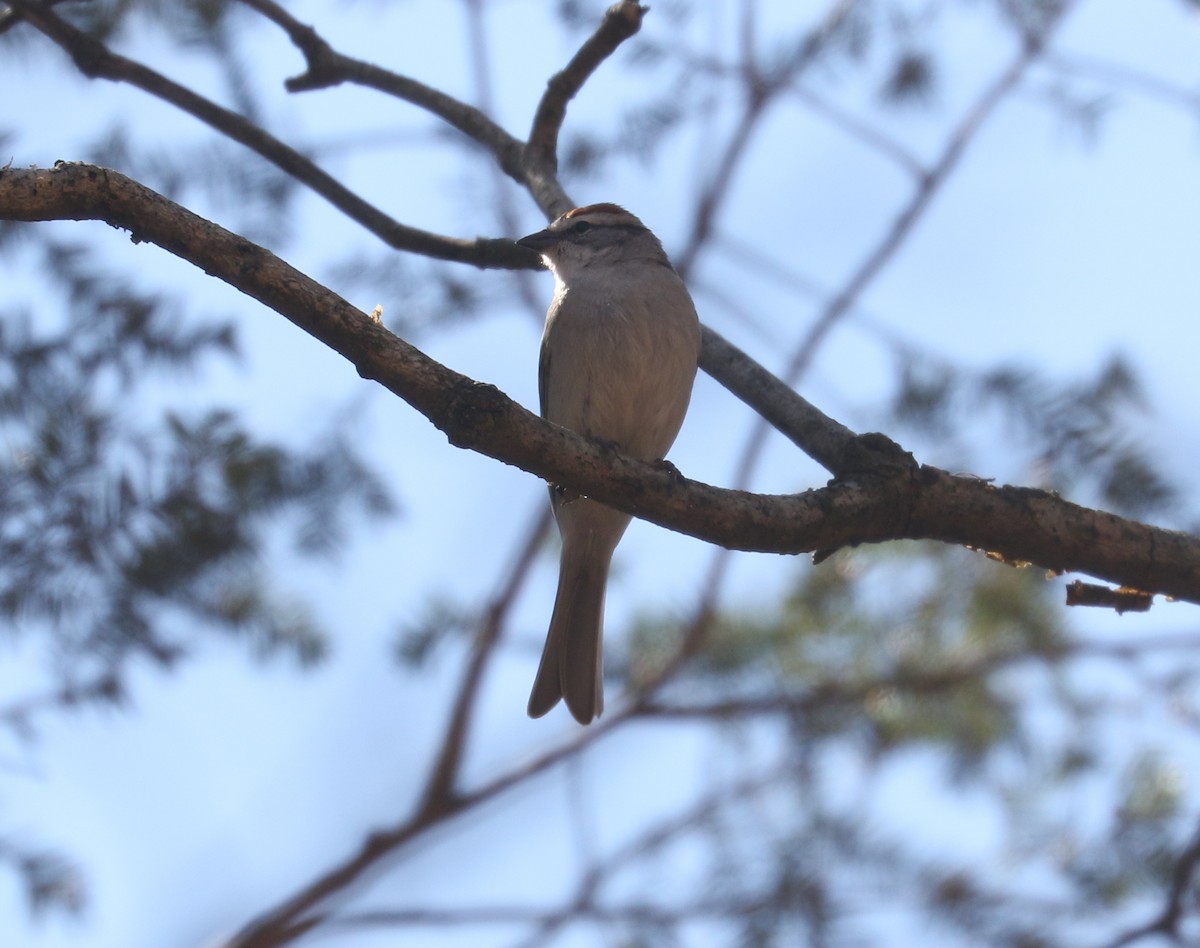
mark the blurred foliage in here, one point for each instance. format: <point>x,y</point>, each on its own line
<point>111,517</point>
<point>418,641</point>
<point>50,880</point>
<point>912,79</point>
<point>1080,435</point>
<point>892,646</point>
<point>882,655</point>
<point>112,520</point>
<point>129,531</point>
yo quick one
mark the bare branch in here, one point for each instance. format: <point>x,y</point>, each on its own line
<point>95,60</point>
<point>444,773</point>
<point>832,693</point>
<point>825,443</point>
<point>760,93</point>
<point>10,17</point>
<point>504,199</point>
<point>1167,921</point>
<point>930,184</point>
<point>828,695</point>
<point>880,493</point>
<point>309,908</point>
<point>585,902</point>
<point>622,20</point>
<point>815,433</point>
<point>326,68</point>
<point>848,123</point>
<point>856,128</point>
<point>1118,75</point>
<point>635,912</point>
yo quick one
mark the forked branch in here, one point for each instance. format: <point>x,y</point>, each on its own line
<point>96,60</point>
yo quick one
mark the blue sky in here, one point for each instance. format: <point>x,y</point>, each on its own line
<point>227,784</point>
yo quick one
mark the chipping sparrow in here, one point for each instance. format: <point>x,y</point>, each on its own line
<point>619,356</point>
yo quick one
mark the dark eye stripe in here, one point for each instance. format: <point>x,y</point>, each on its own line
<point>582,227</point>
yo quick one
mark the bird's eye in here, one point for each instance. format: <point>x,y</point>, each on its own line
<point>582,227</point>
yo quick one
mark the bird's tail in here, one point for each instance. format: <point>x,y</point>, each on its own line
<point>572,662</point>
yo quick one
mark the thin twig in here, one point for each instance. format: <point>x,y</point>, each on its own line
<point>444,773</point>
<point>621,21</point>
<point>726,363</point>
<point>919,681</point>
<point>503,198</point>
<point>632,912</point>
<point>1119,75</point>
<point>760,92</point>
<point>585,900</point>
<point>326,68</point>
<point>860,130</point>
<point>808,427</point>
<point>822,439</point>
<point>309,907</point>
<point>289,921</point>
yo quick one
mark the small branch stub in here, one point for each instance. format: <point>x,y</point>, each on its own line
<point>1122,600</point>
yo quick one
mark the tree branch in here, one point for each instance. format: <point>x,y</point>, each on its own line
<point>309,907</point>
<point>96,61</point>
<point>11,17</point>
<point>1119,76</point>
<point>440,786</point>
<point>929,185</point>
<point>589,892</point>
<point>327,67</point>
<point>1168,920</point>
<point>926,680</point>
<point>761,92</point>
<point>880,493</point>
<point>621,21</point>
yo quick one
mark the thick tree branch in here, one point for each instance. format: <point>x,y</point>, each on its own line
<point>880,494</point>
<point>473,415</point>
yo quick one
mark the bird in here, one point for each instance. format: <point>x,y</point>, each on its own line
<point>618,360</point>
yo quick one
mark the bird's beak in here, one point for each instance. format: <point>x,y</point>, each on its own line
<point>540,241</point>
